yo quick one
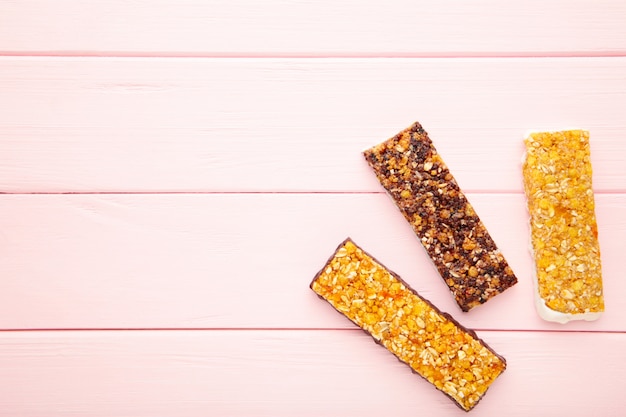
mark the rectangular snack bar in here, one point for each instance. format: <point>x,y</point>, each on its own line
<point>432,343</point>
<point>419,182</point>
<point>564,233</point>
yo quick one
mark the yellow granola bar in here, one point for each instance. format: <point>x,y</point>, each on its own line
<point>564,234</point>
<point>432,343</point>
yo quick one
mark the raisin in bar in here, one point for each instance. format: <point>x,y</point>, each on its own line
<point>410,169</point>
<point>564,233</point>
<point>432,343</point>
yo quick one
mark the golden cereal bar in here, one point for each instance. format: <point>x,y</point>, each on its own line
<point>564,233</point>
<point>432,343</point>
<point>410,169</point>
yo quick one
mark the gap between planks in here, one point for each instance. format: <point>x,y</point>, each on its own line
<point>312,192</point>
<point>347,55</point>
<point>284,329</point>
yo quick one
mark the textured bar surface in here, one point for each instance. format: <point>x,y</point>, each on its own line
<point>564,233</point>
<point>432,343</point>
<point>419,182</point>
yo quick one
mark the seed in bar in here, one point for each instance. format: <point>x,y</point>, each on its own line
<point>432,343</point>
<point>419,182</point>
<point>564,233</point>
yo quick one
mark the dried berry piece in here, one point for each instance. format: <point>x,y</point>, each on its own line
<point>564,233</point>
<point>422,187</point>
<point>432,343</point>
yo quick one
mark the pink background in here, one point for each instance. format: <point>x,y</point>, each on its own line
<point>173,174</point>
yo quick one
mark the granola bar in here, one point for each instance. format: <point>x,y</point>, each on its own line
<point>564,233</point>
<point>419,182</point>
<point>432,343</point>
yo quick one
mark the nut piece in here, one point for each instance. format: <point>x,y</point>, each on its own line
<point>432,343</point>
<point>419,182</point>
<point>564,234</point>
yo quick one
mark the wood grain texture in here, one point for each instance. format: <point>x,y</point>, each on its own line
<point>210,150</point>
<point>203,125</point>
<point>245,260</point>
<point>304,28</point>
<point>286,373</point>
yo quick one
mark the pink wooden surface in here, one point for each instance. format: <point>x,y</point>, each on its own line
<point>173,175</point>
<point>175,261</point>
<point>324,372</point>
<point>303,28</point>
<point>301,114</point>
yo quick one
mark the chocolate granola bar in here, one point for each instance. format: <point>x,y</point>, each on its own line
<point>419,182</point>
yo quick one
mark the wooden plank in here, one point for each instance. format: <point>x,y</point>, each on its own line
<point>244,260</point>
<point>288,27</point>
<point>158,125</point>
<point>286,373</point>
